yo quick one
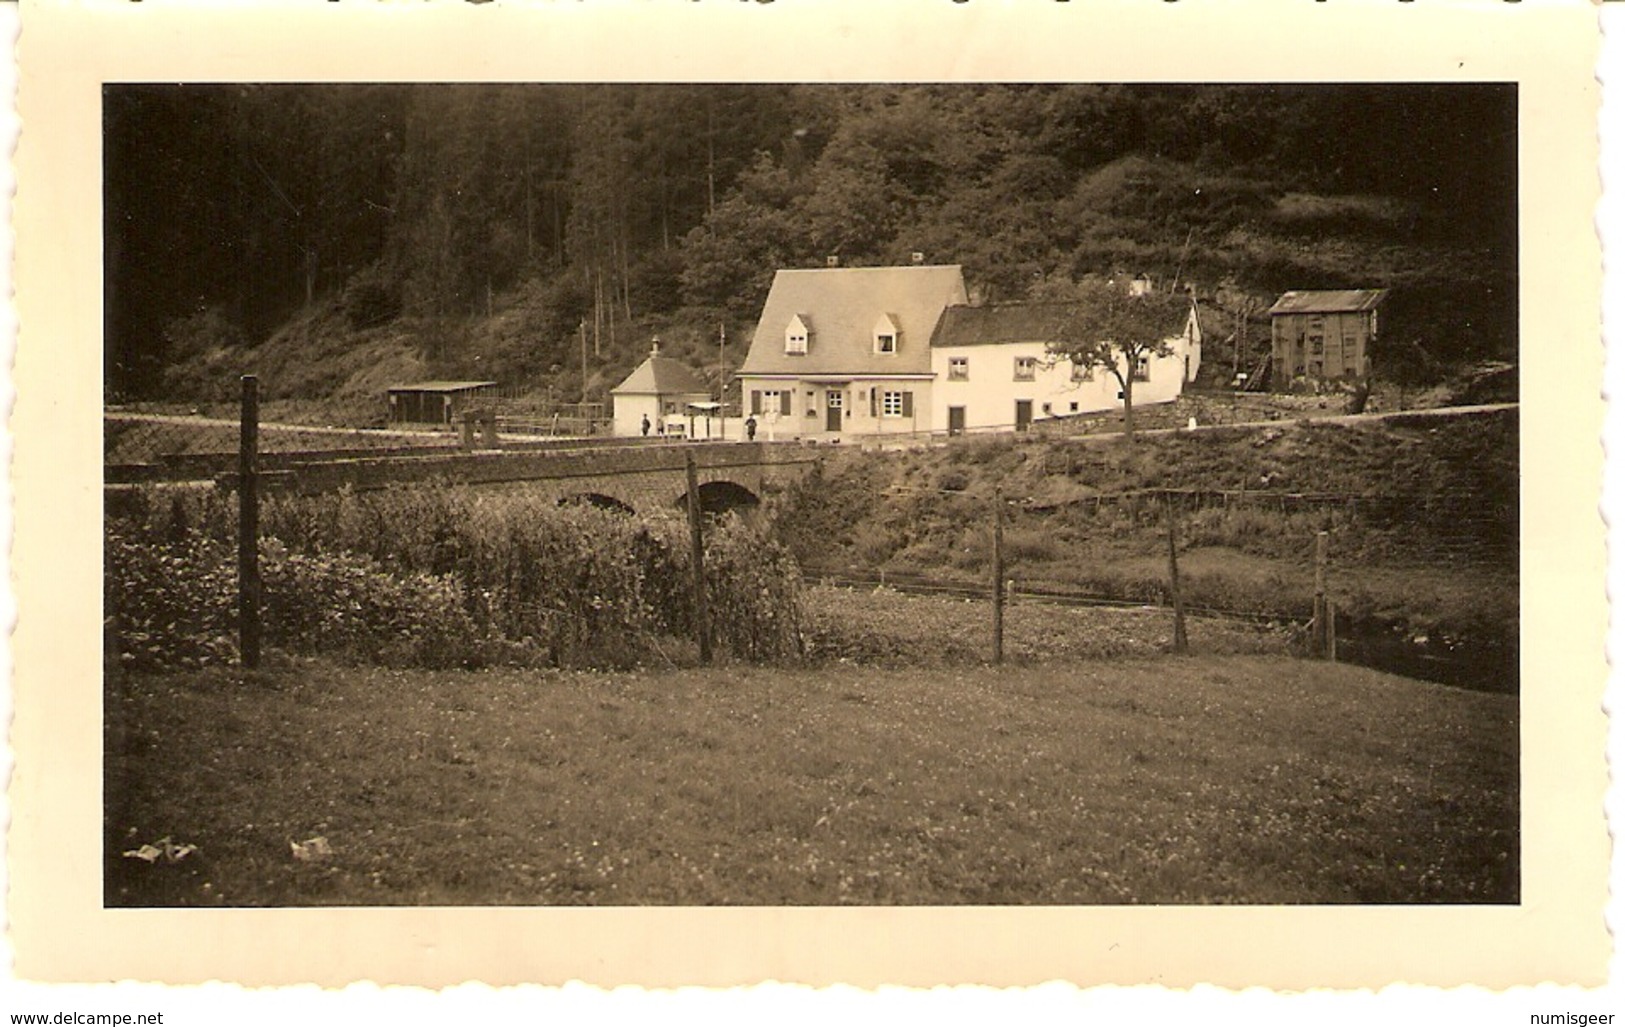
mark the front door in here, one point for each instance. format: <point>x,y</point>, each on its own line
<point>956,420</point>
<point>1024,414</point>
<point>833,401</point>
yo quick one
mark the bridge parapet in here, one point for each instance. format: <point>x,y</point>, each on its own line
<point>642,478</point>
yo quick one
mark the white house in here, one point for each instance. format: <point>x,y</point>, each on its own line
<point>994,368</point>
<point>847,351</point>
<point>872,351</point>
<point>660,389</point>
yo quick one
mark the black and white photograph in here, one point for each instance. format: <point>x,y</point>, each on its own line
<point>817,494</point>
<point>744,493</point>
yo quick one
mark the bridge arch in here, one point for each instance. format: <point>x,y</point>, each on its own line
<point>718,497</point>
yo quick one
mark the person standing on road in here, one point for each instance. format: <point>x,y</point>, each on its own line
<point>645,425</point>
<point>750,429</point>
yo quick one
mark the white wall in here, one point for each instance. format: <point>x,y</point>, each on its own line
<point>856,419</point>
<point>629,409</point>
<point>990,392</point>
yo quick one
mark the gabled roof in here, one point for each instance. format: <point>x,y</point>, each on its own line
<point>1020,322</point>
<point>843,304</point>
<point>663,376</point>
<point>1006,322</point>
<point>1328,301</point>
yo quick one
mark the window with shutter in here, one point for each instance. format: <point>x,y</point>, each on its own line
<point>755,401</point>
<point>908,404</point>
<point>784,403</point>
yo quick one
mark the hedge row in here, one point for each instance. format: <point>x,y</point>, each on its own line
<point>440,577</point>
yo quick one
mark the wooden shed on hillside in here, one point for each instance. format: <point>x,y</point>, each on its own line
<point>437,402</point>
<point>1323,335</point>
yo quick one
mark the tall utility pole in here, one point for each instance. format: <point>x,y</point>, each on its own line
<point>710,159</point>
<point>583,362</point>
<point>722,360</point>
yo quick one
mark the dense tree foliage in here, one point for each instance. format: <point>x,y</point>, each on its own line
<point>232,209</point>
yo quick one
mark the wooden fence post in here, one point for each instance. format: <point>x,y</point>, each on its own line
<point>248,526</point>
<point>702,620</point>
<point>1331,630</point>
<point>998,576</point>
<point>1180,643</point>
<point>1317,634</point>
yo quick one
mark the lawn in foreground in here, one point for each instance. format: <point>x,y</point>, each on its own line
<point>1202,779</point>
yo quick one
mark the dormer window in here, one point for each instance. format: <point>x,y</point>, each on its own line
<point>886,334</point>
<point>795,336</point>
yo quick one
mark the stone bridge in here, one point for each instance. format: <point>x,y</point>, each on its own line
<point>639,478</point>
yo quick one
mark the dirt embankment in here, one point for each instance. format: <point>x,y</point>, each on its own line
<point>1421,512</point>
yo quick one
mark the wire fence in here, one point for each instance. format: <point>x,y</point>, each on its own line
<point>1413,575</point>
<point>1097,548</point>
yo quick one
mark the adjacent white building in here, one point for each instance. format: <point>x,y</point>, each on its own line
<point>994,370</point>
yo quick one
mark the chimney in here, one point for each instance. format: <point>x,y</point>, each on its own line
<point>654,348</point>
<point>833,260</point>
<point>917,258</point>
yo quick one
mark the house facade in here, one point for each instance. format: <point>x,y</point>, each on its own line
<point>660,389</point>
<point>1323,335</point>
<point>994,369</point>
<point>842,352</point>
<point>847,351</point>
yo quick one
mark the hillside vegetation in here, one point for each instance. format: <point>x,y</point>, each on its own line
<point>335,239</point>
<point>1421,513</point>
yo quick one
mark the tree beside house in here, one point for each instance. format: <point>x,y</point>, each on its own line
<point>1123,333</point>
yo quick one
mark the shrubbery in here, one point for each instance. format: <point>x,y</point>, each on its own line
<point>439,577</point>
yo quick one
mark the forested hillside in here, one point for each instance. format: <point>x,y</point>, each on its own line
<point>335,237</point>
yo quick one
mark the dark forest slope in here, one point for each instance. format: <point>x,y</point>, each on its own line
<point>482,230</point>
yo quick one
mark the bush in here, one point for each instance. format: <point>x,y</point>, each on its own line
<point>370,299</point>
<point>169,604</point>
<point>436,576</point>
<point>347,606</point>
<point>1030,545</point>
<point>175,605</point>
<point>755,592</point>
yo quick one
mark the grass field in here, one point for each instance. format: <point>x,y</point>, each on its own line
<point>1209,779</point>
